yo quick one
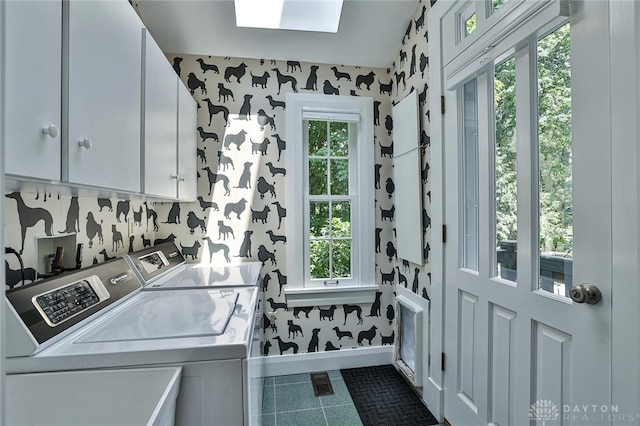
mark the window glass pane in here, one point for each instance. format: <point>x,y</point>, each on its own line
<point>339,137</point>
<point>505,172</point>
<point>470,172</point>
<point>341,259</point>
<point>319,219</point>
<point>341,219</point>
<point>319,259</point>
<point>317,138</point>
<point>339,177</point>
<point>496,4</point>
<point>317,177</point>
<point>554,158</point>
<point>470,25</point>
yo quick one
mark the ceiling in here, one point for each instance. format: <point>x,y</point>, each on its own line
<point>370,32</point>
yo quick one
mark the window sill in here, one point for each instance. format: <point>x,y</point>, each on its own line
<point>302,297</point>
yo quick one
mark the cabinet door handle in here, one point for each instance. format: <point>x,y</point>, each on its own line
<point>180,179</point>
<point>85,143</point>
<point>176,177</point>
<point>52,131</point>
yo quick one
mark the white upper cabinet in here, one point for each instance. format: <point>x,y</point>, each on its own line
<point>33,63</point>
<point>160,115</point>
<point>187,144</point>
<point>104,85</point>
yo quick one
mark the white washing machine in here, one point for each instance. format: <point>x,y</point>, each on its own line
<point>163,266</point>
<point>99,318</point>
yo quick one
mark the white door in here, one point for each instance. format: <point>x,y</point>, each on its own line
<point>528,213</point>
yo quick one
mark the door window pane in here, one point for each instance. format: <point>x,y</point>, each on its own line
<point>505,172</point>
<point>554,158</point>
<point>470,175</point>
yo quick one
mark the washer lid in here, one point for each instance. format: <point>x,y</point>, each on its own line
<point>167,315</point>
<point>207,275</point>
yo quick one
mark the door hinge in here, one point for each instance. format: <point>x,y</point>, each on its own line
<point>442,104</point>
<point>442,362</point>
<point>444,233</point>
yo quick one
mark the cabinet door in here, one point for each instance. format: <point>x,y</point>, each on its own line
<point>160,123</point>
<point>104,84</point>
<point>187,144</point>
<point>33,55</point>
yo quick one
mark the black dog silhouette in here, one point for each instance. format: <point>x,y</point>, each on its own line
<point>236,72</point>
<point>104,254</point>
<point>327,313</point>
<point>190,251</point>
<point>282,212</point>
<point>216,109</point>
<point>224,94</point>
<point>282,145</point>
<point>245,247</point>
<point>13,276</point>
<point>284,79</point>
<point>92,229</point>
<point>314,342</point>
<point>236,208</point>
<point>207,204</point>
<point>105,202</point>
<point>245,177</point>
<point>264,187</point>
<point>170,238</point>
<point>276,238</point>
<point>264,255</point>
<point>123,208</point>
<point>116,238</point>
<point>365,79</point>
<point>275,104</point>
<point>194,222</point>
<point>282,280</point>
<point>217,177</point>
<point>245,109</point>
<point>260,80</point>
<point>312,80</point>
<point>275,305</point>
<point>352,308</point>
<point>214,248</point>
<point>176,65</point>
<point>342,334</point>
<point>388,278</point>
<point>174,214</point>
<point>260,215</point>
<point>263,119</point>
<point>367,335</point>
<point>151,214</point>
<point>193,83</point>
<point>285,346</point>
<point>375,306</point>
<point>207,67</point>
<point>306,310</point>
<point>30,216</point>
<point>340,74</point>
<point>225,161</point>
<point>237,139</point>
<point>275,170</point>
<point>207,135</point>
<point>73,217</point>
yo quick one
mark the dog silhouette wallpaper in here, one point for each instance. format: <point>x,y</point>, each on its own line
<point>241,211</point>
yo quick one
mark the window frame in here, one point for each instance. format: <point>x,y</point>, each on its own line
<point>301,290</point>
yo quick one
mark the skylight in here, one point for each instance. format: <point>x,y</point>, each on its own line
<point>301,15</point>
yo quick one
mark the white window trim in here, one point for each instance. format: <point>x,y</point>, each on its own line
<point>299,292</point>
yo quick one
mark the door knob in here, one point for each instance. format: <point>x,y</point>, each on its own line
<point>585,293</point>
<point>85,143</point>
<point>52,131</point>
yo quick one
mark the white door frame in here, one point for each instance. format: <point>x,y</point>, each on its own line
<point>625,134</point>
<point>624,42</point>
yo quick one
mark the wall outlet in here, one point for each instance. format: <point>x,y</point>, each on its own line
<point>130,222</point>
<point>272,318</point>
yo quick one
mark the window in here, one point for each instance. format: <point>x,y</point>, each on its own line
<point>330,200</point>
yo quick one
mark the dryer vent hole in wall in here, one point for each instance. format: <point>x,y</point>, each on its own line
<point>321,384</point>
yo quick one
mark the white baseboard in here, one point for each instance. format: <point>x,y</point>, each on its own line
<point>280,365</point>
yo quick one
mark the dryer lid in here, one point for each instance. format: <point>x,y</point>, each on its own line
<point>167,315</point>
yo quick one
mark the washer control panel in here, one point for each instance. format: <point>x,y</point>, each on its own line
<point>61,304</point>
